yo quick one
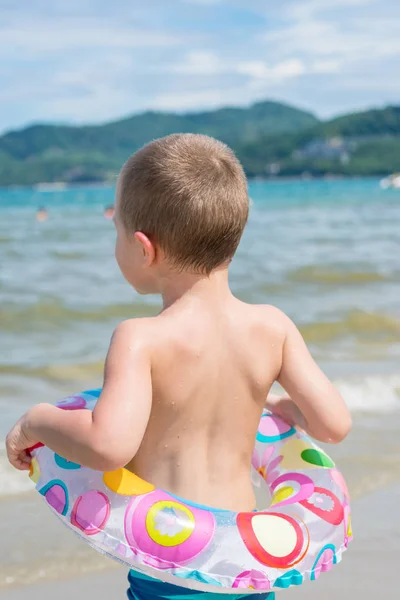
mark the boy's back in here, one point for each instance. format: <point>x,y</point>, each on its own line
<point>213,361</point>
<point>184,391</point>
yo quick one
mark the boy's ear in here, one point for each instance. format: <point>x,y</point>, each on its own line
<point>147,247</point>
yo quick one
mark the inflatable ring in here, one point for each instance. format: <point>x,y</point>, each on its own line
<point>302,534</point>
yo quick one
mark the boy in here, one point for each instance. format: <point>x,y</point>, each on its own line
<point>185,390</point>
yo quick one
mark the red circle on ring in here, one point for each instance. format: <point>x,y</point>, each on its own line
<point>255,548</point>
<point>334,516</point>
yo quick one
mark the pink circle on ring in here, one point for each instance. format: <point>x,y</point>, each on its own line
<point>340,481</point>
<point>72,403</point>
<point>166,557</point>
<point>57,498</point>
<point>273,426</point>
<point>324,564</point>
<point>306,487</point>
<point>274,463</point>
<point>91,512</point>
<point>257,580</point>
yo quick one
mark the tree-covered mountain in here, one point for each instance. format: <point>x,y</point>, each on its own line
<point>365,143</point>
<point>270,138</point>
<point>59,152</point>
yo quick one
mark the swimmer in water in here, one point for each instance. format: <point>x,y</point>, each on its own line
<point>42,214</point>
<point>184,390</point>
<point>109,212</point>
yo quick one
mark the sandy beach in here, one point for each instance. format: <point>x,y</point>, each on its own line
<point>368,569</point>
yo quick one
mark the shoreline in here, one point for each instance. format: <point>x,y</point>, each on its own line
<point>61,186</point>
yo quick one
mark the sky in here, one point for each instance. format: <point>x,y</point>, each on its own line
<point>91,61</point>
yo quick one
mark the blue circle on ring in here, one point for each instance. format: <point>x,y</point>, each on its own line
<point>324,549</point>
<point>200,577</point>
<point>54,483</point>
<point>293,577</point>
<point>95,392</point>
<point>273,438</point>
<point>63,463</point>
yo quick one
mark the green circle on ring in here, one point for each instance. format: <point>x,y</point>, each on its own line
<point>317,458</point>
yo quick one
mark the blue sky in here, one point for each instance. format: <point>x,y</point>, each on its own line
<point>95,60</point>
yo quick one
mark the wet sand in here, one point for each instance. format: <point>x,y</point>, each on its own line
<point>369,567</point>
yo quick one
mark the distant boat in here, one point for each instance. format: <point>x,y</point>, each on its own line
<point>391,182</point>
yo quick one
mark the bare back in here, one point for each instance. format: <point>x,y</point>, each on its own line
<point>212,368</point>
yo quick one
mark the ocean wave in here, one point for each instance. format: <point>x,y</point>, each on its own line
<point>12,482</point>
<point>55,314</point>
<point>361,325</point>
<point>333,276</point>
<point>70,255</point>
<point>70,372</point>
<point>373,394</point>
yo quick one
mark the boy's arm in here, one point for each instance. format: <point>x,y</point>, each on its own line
<point>109,437</point>
<point>325,414</point>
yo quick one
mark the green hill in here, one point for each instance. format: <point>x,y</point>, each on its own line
<point>270,138</point>
<point>365,143</point>
<point>369,123</point>
<point>62,153</point>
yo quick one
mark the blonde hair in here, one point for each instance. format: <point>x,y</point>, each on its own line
<point>187,193</point>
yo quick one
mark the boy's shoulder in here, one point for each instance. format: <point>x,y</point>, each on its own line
<point>271,317</point>
<point>139,325</point>
<point>154,332</point>
<point>136,331</point>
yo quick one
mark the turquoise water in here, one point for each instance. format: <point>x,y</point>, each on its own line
<point>326,252</point>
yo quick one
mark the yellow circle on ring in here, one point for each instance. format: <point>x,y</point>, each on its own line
<point>349,528</point>
<point>126,483</point>
<point>166,539</point>
<point>282,494</point>
<point>34,471</point>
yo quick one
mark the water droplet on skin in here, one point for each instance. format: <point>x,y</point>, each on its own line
<point>165,445</point>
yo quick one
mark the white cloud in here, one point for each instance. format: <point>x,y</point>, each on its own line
<point>289,68</point>
<point>59,37</point>
<point>199,62</point>
<point>204,2</point>
<point>254,68</point>
<point>308,9</point>
<point>190,100</point>
<point>310,30</point>
<point>326,66</point>
<point>258,69</point>
<point>92,60</point>
<point>209,63</point>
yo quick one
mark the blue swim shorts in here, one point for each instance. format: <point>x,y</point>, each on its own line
<point>143,587</point>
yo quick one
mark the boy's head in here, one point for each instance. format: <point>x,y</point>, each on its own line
<point>182,199</point>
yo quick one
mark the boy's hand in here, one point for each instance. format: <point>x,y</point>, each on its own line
<point>17,444</point>
<point>286,409</point>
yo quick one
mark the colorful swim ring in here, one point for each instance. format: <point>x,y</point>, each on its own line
<point>302,533</point>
